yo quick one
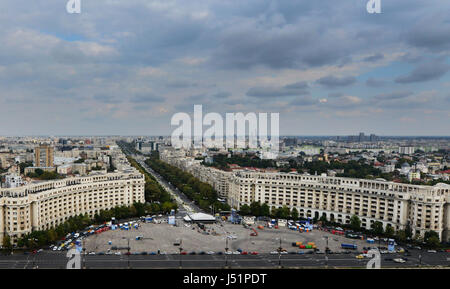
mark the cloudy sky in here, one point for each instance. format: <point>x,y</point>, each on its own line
<point>126,66</point>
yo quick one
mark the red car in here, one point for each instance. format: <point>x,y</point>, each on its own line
<point>244,253</point>
<point>183,253</point>
<point>254,253</point>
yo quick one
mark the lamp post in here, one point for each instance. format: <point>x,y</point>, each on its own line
<point>181,249</point>
<point>279,254</point>
<point>128,251</point>
<point>326,252</point>
<point>226,252</point>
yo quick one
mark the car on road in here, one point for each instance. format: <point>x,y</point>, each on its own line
<point>432,251</point>
<point>359,257</point>
<point>399,260</point>
<point>274,253</point>
<point>254,253</point>
<point>118,253</point>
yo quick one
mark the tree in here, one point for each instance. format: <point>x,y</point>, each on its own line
<point>255,209</point>
<point>377,228</point>
<point>265,210</point>
<point>284,212</point>
<point>401,235</point>
<point>389,231</point>
<point>294,214</point>
<point>431,238</point>
<point>245,210</point>
<point>7,242</point>
<point>355,223</point>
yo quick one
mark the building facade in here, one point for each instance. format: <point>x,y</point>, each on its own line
<point>423,208</point>
<point>44,205</point>
<point>43,156</point>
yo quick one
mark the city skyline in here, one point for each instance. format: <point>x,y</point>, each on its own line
<point>124,68</point>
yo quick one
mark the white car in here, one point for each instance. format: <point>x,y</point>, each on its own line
<point>228,253</point>
<point>91,253</point>
<point>274,253</point>
<point>431,251</point>
<point>210,253</point>
<point>117,253</point>
<point>399,260</point>
<point>236,253</point>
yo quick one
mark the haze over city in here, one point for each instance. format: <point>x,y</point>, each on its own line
<point>125,67</point>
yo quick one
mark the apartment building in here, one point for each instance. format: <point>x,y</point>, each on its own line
<point>424,208</point>
<point>43,205</point>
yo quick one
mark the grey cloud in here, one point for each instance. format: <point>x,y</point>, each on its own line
<point>431,32</point>
<point>393,95</point>
<point>373,82</point>
<point>107,98</point>
<point>303,101</point>
<point>333,81</point>
<point>180,84</point>
<point>294,89</point>
<point>298,85</point>
<point>374,58</point>
<point>425,72</point>
<point>146,97</point>
<point>222,95</point>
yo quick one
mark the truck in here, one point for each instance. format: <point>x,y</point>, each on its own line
<point>349,246</point>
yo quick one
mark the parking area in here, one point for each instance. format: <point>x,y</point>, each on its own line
<point>161,237</point>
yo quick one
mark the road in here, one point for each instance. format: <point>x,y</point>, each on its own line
<point>58,260</point>
<point>185,205</point>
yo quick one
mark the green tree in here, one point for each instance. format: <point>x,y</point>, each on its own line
<point>294,214</point>
<point>265,210</point>
<point>284,212</point>
<point>355,223</point>
<point>389,231</point>
<point>245,210</point>
<point>431,238</point>
<point>255,209</point>
<point>7,242</point>
<point>377,228</point>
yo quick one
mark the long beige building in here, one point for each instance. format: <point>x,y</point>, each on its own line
<point>424,208</point>
<point>43,205</point>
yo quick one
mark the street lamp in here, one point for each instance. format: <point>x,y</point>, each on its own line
<point>128,251</point>
<point>181,249</point>
<point>279,253</point>
<point>226,252</point>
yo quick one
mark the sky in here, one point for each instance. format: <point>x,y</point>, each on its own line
<point>125,67</point>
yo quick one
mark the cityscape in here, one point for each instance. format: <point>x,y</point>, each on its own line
<point>224,135</point>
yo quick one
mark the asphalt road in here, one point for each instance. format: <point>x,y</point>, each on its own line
<point>179,196</point>
<point>58,260</point>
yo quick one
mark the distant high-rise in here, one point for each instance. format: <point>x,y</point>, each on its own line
<point>361,137</point>
<point>43,156</point>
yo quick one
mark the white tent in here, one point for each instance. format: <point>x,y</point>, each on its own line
<point>199,217</point>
